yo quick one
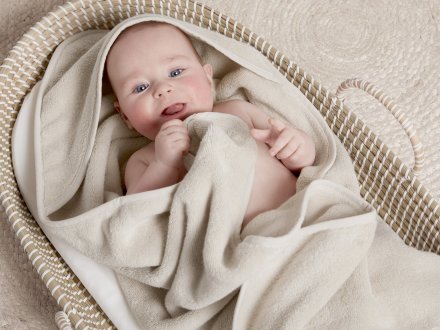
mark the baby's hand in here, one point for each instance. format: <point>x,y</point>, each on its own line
<point>172,143</point>
<point>293,147</point>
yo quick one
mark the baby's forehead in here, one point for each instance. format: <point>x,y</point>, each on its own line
<point>153,29</point>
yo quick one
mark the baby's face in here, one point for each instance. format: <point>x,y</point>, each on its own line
<point>157,76</point>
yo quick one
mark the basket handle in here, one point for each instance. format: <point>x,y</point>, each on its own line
<point>417,146</point>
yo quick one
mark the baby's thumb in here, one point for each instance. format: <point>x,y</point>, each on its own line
<point>260,134</point>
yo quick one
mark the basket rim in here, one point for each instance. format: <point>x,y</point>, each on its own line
<point>11,197</point>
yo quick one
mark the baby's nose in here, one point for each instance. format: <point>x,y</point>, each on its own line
<point>163,89</point>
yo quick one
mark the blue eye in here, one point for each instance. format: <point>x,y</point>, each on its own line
<point>176,73</point>
<point>140,88</point>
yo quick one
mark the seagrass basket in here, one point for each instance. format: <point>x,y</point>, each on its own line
<point>385,181</point>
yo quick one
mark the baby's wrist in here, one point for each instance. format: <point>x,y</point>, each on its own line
<point>169,166</point>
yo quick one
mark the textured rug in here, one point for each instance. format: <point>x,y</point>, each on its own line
<point>395,45</point>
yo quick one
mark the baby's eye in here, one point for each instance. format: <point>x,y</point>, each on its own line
<point>140,88</point>
<point>176,73</point>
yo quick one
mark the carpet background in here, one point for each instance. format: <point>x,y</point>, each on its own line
<point>395,45</point>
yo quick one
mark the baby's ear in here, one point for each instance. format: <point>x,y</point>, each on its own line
<point>208,71</point>
<point>123,116</point>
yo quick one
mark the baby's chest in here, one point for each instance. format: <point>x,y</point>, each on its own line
<point>270,173</point>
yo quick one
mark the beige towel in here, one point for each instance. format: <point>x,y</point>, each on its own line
<point>320,260</point>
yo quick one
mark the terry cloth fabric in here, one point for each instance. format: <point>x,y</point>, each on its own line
<point>320,260</point>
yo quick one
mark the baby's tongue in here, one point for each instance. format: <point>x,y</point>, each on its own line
<point>172,109</point>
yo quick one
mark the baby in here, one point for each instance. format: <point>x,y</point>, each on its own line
<point>159,80</point>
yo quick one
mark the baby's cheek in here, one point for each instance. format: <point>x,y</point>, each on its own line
<point>142,120</point>
<point>202,88</point>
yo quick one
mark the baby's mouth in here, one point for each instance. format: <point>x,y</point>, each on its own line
<point>173,109</point>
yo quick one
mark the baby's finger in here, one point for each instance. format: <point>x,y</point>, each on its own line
<point>277,124</point>
<point>172,122</point>
<point>262,135</point>
<point>181,142</point>
<point>175,136</point>
<point>282,140</point>
<point>288,151</point>
<point>183,145</point>
<point>174,128</point>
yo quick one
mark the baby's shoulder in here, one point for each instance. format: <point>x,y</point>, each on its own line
<point>228,105</point>
<point>238,108</point>
<point>137,163</point>
<point>141,157</point>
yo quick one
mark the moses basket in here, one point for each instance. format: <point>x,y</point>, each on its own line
<point>386,182</point>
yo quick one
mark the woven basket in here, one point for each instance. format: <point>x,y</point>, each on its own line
<point>388,184</point>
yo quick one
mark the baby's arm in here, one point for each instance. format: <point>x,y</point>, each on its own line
<point>160,163</point>
<point>292,146</point>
